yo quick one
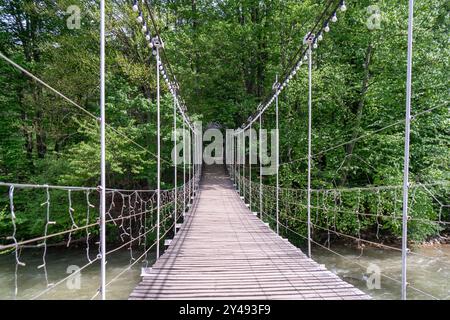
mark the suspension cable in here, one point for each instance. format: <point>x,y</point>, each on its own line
<point>73,103</point>
<point>368,134</point>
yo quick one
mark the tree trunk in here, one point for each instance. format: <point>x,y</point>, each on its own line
<point>358,110</point>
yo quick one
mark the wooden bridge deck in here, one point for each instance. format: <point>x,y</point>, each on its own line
<point>223,251</point>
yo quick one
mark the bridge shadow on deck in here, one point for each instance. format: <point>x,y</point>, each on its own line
<point>223,251</point>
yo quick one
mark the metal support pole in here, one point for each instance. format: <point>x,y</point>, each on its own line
<point>243,164</point>
<point>199,159</point>
<point>184,168</point>
<point>233,163</point>
<point>193,163</point>
<point>277,159</point>
<point>158,170</point>
<point>197,167</point>
<point>238,163</point>
<point>406,160</point>
<point>190,168</point>
<point>309,143</point>
<point>102,153</point>
<point>238,168</point>
<point>260,167</point>
<point>175,164</point>
<point>196,163</point>
<point>250,168</point>
<point>234,159</point>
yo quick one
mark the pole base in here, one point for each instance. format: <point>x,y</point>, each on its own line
<point>145,272</point>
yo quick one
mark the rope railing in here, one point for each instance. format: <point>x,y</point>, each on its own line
<point>345,210</point>
<point>373,243</point>
<point>353,261</point>
<point>133,214</point>
<point>146,250</point>
<point>143,255</point>
<point>131,217</point>
<point>332,206</point>
<point>384,201</point>
<point>40,294</point>
<point>126,207</point>
<point>310,42</point>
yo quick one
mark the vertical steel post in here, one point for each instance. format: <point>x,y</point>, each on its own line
<point>197,161</point>
<point>200,157</point>
<point>243,164</point>
<point>175,164</point>
<point>277,157</point>
<point>102,153</point>
<point>250,168</point>
<point>190,168</point>
<point>197,168</point>
<point>184,167</point>
<point>193,163</point>
<point>232,164</point>
<point>194,169</point>
<point>309,142</point>
<point>260,166</point>
<point>238,168</point>
<point>407,141</point>
<point>158,170</point>
<point>231,157</point>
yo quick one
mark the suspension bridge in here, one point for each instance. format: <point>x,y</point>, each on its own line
<point>221,233</point>
<point>223,251</point>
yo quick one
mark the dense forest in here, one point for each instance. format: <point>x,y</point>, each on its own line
<point>226,55</point>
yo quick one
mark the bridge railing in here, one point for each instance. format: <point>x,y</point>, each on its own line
<point>128,215</point>
<point>364,219</point>
<point>364,215</point>
<point>68,217</point>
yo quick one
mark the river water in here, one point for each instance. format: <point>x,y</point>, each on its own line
<point>60,264</point>
<point>428,271</point>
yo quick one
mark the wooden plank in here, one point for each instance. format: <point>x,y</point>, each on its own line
<point>224,251</point>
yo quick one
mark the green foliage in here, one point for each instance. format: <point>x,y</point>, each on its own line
<point>226,56</point>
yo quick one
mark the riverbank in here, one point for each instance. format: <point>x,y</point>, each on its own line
<point>382,242</point>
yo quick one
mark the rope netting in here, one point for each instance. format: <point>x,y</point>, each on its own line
<point>69,218</point>
<point>343,215</point>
